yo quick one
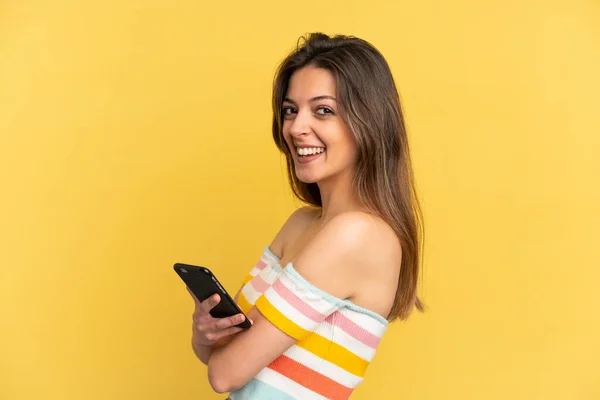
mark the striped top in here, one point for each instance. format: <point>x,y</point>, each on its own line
<point>336,339</point>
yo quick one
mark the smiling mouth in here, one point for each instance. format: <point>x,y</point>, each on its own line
<point>309,151</point>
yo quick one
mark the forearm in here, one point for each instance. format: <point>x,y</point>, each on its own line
<point>233,364</point>
<point>204,352</point>
<point>221,374</point>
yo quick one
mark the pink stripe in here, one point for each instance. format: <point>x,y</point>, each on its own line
<point>297,302</point>
<point>259,284</point>
<point>353,329</point>
<point>261,265</point>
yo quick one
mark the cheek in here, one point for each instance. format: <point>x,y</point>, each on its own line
<point>286,136</point>
<point>346,147</point>
<point>353,149</point>
<point>348,156</point>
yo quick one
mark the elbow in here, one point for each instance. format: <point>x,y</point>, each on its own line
<point>222,380</point>
<point>218,384</point>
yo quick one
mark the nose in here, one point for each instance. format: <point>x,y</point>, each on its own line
<point>300,124</point>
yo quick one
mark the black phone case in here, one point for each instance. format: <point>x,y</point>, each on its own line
<point>203,283</point>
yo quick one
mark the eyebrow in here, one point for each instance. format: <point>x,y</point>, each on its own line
<point>324,97</point>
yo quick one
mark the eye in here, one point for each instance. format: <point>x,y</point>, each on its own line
<point>324,110</point>
<point>287,111</point>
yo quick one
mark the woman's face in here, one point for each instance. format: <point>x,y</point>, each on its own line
<point>320,142</point>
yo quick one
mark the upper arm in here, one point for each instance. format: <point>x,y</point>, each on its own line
<point>320,277</point>
<point>334,259</point>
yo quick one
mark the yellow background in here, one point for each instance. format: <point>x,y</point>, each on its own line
<point>136,134</point>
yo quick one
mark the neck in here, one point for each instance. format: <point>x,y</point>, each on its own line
<point>337,196</point>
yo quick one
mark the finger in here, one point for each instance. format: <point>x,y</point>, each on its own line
<point>251,322</point>
<point>227,332</point>
<point>223,323</point>
<point>210,303</point>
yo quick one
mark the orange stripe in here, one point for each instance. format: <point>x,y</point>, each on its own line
<point>310,379</point>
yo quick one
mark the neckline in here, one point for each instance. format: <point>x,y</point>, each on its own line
<point>347,303</point>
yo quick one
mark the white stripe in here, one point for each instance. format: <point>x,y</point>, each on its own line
<point>366,322</point>
<point>286,309</point>
<point>267,259</point>
<point>250,293</point>
<point>311,298</point>
<point>269,275</point>
<point>322,366</point>
<point>254,271</point>
<point>337,335</point>
<point>287,385</point>
<point>267,256</point>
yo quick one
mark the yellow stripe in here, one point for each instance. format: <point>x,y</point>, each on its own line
<point>282,322</point>
<point>244,304</point>
<point>334,353</point>
<point>247,279</point>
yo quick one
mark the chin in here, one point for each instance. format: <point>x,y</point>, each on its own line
<point>306,178</point>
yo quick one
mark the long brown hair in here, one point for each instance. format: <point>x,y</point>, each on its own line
<point>370,106</point>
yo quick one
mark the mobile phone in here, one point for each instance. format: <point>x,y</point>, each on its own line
<point>203,283</point>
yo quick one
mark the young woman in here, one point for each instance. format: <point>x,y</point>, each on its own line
<point>344,266</point>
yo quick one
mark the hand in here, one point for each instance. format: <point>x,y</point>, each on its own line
<point>208,330</point>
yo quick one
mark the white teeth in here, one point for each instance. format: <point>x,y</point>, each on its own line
<point>309,150</point>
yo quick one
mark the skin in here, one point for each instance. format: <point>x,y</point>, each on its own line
<point>340,249</point>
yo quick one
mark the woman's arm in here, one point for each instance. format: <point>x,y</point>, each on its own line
<point>207,331</point>
<point>203,352</point>
<point>332,262</point>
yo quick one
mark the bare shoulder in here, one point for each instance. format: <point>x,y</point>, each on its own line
<point>293,227</point>
<point>355,256</point>
<point>362,231</point>
<point>363,236</point>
